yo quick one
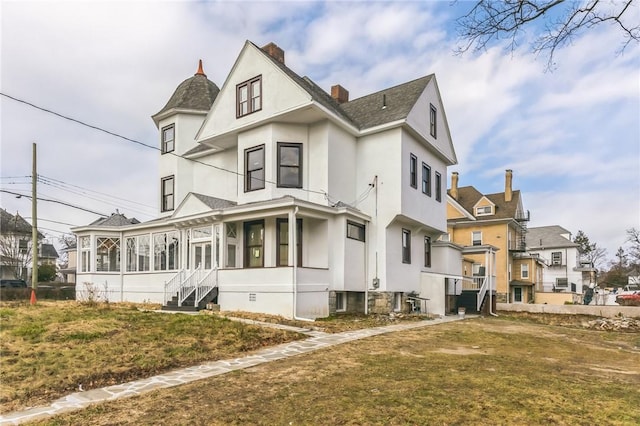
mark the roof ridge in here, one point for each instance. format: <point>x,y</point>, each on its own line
<point>393,87</point>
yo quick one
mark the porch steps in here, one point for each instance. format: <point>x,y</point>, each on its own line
<point>188,304</point>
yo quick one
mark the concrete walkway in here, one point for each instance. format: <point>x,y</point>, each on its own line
<point>317,340</point>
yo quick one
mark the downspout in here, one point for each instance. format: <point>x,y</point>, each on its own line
<point>366,269</point>
<point>294,279</point>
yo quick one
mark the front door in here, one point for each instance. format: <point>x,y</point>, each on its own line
<point>517,294</point>
<point>201,255</point>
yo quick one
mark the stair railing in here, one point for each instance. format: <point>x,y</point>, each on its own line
<point>207,283</point>
<point>188,286</point>
<point>482,292</point>
<point>171,287</point>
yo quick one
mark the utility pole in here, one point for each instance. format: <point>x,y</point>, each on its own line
<point>34,227</point>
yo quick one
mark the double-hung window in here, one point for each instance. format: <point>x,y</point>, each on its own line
<point>168,138</point>
<point>167,188</point>
<point>427,252</point>
<point>556,258</point>
<point>85,254</point>
<point>406,246</point>
<point>254,167</point>
<point>438,186</point>
<point>249,96</point>
<point>524,271</point>
<point>282,236</point>
<point>476,238</point>
<point>413,172</point>
<point>289,165</point>
<point>433,116</point>
<point>426,180</point>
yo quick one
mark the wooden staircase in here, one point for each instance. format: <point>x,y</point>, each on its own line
<point>189,303</point>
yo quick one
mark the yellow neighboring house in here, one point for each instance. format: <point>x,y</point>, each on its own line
<point>497,220</point>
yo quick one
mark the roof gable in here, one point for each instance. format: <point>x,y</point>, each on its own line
<point>195,203</point>
<point>468,197</point>
<point>279,93</point>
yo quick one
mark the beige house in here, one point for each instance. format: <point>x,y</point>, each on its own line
<point>494,223</point>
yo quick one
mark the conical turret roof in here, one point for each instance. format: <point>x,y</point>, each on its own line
<point>195,93</point>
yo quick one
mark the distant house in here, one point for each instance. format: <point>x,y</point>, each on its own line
<point>16,247</point>
<point>564,272</point>
<point>69,268</point>
<point>278,197</point>
<point>491,228</point>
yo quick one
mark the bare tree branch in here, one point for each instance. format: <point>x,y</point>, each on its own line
<point>491,21</point>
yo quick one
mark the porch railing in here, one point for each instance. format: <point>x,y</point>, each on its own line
<point>189,285</point>
<point>482,292</point>
<point>205,285</point>
<point>171,287</point>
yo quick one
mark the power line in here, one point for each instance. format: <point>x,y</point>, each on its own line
<point>94,191</point>
<point>55,201</point>
<point>100,129</point>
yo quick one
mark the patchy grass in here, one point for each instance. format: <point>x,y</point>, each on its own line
<point>503,370</point>
<point>47,350</point>
<point>332,324</point>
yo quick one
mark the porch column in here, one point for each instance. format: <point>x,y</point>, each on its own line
<point>223,245</point>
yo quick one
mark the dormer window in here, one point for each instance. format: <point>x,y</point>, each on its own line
<point>168,138</point>
<point>484,210</point>
<point>249,96</point>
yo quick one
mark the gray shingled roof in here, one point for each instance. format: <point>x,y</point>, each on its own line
<point>366,111</point>
<point>48,251</point>
<point>468,196</point>
<point>213,202</point>
<point>195,93</point>
<point>15,224</point>
<point>398,101</point>
<point>548,237</point>
<point>116,219</point>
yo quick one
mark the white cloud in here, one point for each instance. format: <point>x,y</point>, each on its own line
<point>572,137</point>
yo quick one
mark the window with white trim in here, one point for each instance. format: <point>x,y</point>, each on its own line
<point>138,252</point>
<point>562,282</point>
<point>524,271</point>
<point>85,254</point>
<point>108,254</point>
<point>165,251</point>
<point>476,238</point>
<point>484,210</point>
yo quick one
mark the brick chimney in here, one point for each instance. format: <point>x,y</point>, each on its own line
<point>454,185</point>
<point>340,94</point>
<point>274,51</point>
<point>508,192</point>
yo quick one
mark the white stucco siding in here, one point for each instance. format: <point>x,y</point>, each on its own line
<point>567,270</point>
<point>433,287</point>
<point>214,180</point>
<point>318,155</point>
<point>130,287</point>
<point>354,265</point>
<point>279,94</point>
<point>316,243</point>
<point>446,259</point>
<point>342,166</point>
<point>419,119</point>
<point>399,276</point>
<point>416,204</point>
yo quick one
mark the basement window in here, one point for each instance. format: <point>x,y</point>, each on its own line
<point>341,301</point>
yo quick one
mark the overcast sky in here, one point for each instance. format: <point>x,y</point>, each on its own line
<point>571,137</point>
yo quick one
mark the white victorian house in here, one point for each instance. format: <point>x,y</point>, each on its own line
<point>277,197</point>
<point>564,272</point>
